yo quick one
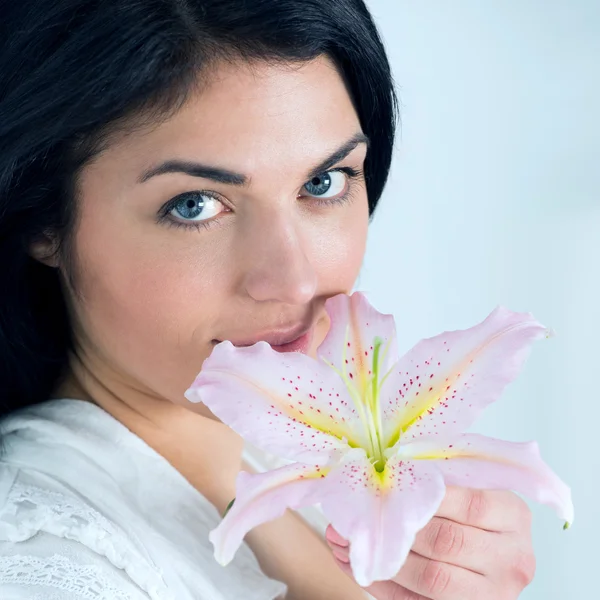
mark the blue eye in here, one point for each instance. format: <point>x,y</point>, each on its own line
<point>327,185</point>
<point>194,206</point>
<point>198,209</point>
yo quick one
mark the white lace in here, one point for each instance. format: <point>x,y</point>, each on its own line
<point>87,581</point>
<point>29,509</point>
<point>52,504</point>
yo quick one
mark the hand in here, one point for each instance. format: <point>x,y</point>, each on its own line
<point>478,545</point>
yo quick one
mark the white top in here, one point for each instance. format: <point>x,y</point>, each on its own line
<point>89,510</point>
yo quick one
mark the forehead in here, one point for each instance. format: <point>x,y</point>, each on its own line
<point>246,115</point>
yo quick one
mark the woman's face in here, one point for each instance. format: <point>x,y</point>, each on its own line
<point>244,240</point>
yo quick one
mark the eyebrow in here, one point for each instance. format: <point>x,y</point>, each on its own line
<point>238,179</point>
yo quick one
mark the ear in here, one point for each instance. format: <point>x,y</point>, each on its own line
<point>45,250</point>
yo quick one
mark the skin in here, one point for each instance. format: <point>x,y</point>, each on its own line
<point>477,546</point>
<point>152,298</point>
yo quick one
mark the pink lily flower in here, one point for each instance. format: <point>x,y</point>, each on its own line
<point>374,439</point>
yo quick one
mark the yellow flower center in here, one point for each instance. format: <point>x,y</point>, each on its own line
<point>367,401</point>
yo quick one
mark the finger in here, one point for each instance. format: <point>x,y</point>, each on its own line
<point>492,510</point>
<point>448,542</point>
<point>342,553</point>
<point>461,545</point>
<point>440,581</point>
<point>383,590</point>
<point>331,535</point>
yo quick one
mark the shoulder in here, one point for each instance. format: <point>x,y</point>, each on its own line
<point>53,541</point>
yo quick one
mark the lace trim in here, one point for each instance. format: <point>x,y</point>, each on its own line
<point>86,581</point>
<point>55,503</point>
<point>30,509</point>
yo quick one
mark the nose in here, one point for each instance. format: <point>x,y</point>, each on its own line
<point>278,264</point>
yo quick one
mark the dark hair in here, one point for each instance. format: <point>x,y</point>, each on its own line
<point>75,72</point>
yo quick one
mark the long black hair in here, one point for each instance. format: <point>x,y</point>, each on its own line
<point>74,72</point>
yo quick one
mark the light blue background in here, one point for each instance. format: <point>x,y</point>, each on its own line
<point>495,199</point>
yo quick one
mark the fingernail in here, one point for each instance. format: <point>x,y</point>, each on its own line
<point>335,538</point>
<point>341,556</point>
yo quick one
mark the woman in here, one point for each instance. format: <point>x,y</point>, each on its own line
<point>174,173</point>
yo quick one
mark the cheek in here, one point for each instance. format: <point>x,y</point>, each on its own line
<point>340,253</point>
<point>149,307</point>
<point>339,256</point>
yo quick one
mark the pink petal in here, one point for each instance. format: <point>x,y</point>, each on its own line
<point>261,498</point>
<point>285,403</point>
<point>380,513</point>
<point>440,386</point>
<point>365,324</point>
<point>476,461</point>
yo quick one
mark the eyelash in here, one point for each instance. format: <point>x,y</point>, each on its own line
<point>164,213</point>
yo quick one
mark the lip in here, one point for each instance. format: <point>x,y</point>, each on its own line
<point>291,340</point>
<point>301,344</point>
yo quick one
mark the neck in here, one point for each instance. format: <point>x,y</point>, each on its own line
<point>206,452</point>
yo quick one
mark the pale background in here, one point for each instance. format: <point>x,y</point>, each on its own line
<point>495,199</point>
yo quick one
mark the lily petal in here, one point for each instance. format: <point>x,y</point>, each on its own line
<point>380,513</point>
<point>440,386</point>
<point>476,461</point>
<point>262,497</point>
<point>349,344</point>
<point>285,403</point>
